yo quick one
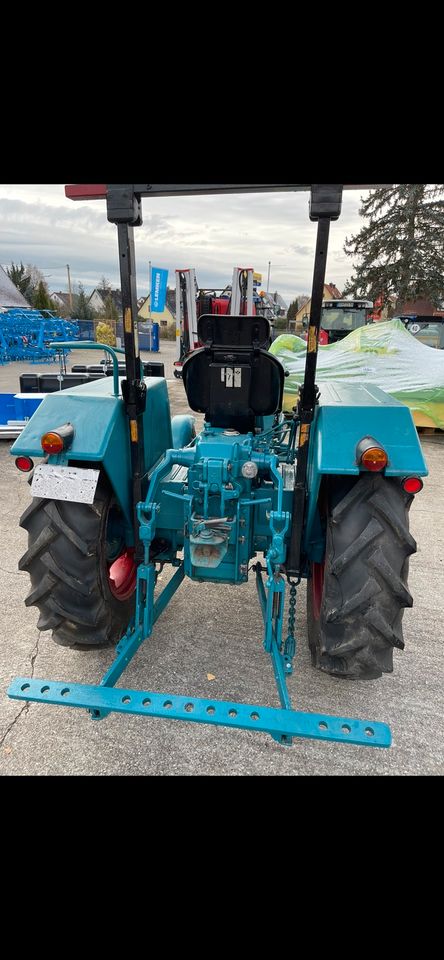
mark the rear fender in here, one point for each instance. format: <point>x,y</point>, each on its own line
<point>346,414</point>
<point>101,431</point>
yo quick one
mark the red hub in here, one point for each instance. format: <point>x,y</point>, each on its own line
<point>317,586</point>
<point>122,576</point>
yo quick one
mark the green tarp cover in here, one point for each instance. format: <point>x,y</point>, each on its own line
<point>385,355</point>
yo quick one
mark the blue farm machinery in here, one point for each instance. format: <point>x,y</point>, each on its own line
<point>26,335</point>
<point>322,493</point>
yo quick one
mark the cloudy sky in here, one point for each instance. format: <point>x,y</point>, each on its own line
<point>39,225</point>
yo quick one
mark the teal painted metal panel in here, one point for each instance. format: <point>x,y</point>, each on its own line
<point>342,394</point>
<point>339,430</point>
<point>94,419</point>
<point>347,413</point>
<point>183,430</point>
<point>101,430</point>
<point>157,421</point>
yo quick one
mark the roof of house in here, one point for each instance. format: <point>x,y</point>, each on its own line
<point>333,290</point>
<point>274,299</point>
<point>9,295</point>
<point>115,295</point>
<point>329,288</point>
<point>171,300</point>
<point>62,296</point>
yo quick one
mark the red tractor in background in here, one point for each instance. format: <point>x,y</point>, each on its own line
<point>239,299</point>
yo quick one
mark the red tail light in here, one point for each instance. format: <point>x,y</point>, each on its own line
<point>412,485</point>
<point>24,464</point>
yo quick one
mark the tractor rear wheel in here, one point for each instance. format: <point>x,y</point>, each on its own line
<point>82,576</point>
<point>356,598</point>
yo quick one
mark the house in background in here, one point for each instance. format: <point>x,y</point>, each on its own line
<point>10,297</point>
<point>331,292</point>
<point>98,299</point>
<point>61,300</point>
<point>275,302</point>
<point>166,319</point>
<point>422,307</point>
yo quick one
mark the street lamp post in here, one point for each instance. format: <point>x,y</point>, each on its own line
<point>268,281</point>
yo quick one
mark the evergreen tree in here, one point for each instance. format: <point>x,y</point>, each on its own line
<point>41,298</point>
<point>400,251</point>
<point>31,283</point>
<point>84,311</point>
<point>21,279</point>
<point>292,311</point>
<point>73,314</point>
<point>110,312</point>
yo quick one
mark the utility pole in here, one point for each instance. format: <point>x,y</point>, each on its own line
<point>268,281</point>
<point>69,287</point>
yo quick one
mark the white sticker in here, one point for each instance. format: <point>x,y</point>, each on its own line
<point>65,483</point>
<point>222,374</point>
<point>288,472</point>
<point>229,376</point>
<point>238,376</point>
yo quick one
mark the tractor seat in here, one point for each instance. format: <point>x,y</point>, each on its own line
<point>232,379</point>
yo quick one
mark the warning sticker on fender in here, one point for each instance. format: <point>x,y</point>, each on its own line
<point>65,483</point>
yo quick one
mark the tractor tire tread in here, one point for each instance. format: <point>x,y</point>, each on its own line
<point>69,583</point>
<point>365,586</point>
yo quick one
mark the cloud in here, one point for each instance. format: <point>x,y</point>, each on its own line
<point>301,251</point>
<point>212,234</point>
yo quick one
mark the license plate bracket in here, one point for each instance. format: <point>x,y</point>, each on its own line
<point>73,484</point>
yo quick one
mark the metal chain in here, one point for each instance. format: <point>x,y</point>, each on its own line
<point>290,643</point>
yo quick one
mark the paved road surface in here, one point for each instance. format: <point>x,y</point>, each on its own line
<point>218,631</point>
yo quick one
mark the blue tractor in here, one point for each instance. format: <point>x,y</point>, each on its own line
<point>125,492</point>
